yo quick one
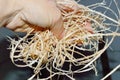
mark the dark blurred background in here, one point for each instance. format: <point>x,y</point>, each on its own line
<point>108,61</point>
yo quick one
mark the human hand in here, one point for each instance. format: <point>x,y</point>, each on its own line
<point>42,13</point>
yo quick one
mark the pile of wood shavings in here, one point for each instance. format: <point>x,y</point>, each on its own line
<point>42,49</point>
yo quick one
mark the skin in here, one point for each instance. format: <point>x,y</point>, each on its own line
<point>72,7</point>
<point>42,13</point>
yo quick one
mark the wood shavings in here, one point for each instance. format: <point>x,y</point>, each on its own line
<point>44,50</point>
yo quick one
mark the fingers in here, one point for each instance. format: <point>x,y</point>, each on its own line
<point>41,17</point>
<point>88,26</point>
<point>58,29</point>
<point>16,23</point>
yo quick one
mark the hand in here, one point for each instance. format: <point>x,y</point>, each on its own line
<point>42,13</point>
